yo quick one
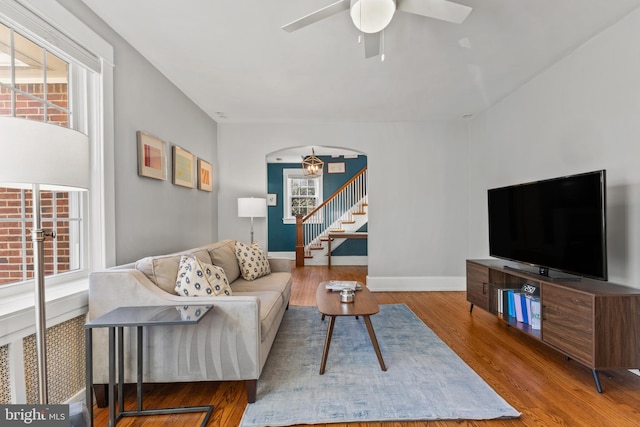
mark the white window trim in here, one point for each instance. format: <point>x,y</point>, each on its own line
<point>286,192</point>
<point>68,298</point>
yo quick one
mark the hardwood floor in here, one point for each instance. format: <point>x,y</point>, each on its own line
<point>547,389</point>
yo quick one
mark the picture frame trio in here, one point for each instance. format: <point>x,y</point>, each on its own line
<point>187,170</point>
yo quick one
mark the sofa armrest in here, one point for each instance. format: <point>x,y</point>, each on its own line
<point>280,265</point>
<point>225,345</point>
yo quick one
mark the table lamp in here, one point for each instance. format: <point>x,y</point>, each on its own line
<point>250,207</point>
<point>41,156</point>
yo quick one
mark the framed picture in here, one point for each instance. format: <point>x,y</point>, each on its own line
<point>205,176</point>
<point>183,167</point>
<point>335,167</point>
<point>272,199</point>
<point>152,156</point>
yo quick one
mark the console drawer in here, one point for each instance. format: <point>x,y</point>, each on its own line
<point>567,322</point>
<point>478,285</point>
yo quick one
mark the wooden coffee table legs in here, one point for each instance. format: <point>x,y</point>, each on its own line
<point>327,343</point>
<point>372,336</point>
<point>374,341</point>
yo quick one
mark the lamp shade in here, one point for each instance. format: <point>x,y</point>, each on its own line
<point>252,207</point>
<point>34,152</point>
<point>372,16</point>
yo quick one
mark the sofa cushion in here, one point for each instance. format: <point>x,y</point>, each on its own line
<point>271,306</point>
<point>252,260</point>
<point>276,281</point>
<point>163,269</point>
<point>223,254</point>
<point>200,279</point>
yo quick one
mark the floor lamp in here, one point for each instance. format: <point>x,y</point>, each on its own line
<point>250,207</point>
<point>41,156</point>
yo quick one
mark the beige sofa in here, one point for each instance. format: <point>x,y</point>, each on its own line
<point>231,342</point>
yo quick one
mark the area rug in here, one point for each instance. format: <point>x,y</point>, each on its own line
<point>425,380</point>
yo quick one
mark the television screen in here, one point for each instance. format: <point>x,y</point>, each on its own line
<point>557,224</point>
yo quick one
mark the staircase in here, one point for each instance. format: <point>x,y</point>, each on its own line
<point>344,211</point>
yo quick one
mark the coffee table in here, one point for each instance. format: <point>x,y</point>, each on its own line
<point>364,304</point>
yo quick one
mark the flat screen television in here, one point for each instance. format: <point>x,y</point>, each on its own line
<point>554,224</point>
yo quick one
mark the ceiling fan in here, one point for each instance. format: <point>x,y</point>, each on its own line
<point>372,16</point>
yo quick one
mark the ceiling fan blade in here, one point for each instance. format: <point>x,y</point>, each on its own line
<point>372,44</point>
<point>438,9</point>
<point>318,15</point>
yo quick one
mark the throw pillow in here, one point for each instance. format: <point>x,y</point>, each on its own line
<point>163,269</point>
<point>252,260</point>
<point>190,312</point>
<point>197,278</point>
<point>223,254</point>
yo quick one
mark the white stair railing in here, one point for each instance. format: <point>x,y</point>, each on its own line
<point>313,229</point>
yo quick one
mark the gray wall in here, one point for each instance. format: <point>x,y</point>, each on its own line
<point>428,180</point>
<point>579,115</point>
<point>417,192</point>
<point>152,216</point>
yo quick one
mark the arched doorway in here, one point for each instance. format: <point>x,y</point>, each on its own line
<point>290,192</point>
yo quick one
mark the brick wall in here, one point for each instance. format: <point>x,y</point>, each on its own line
<point>11,246</point>
<point>34,109</point>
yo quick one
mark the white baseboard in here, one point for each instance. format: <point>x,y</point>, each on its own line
<point>287,255</point>
<point>78,397</point>
<point>338,260</point>
<point>335,260</point>
<point>415,284</point>
<point>390,284</point>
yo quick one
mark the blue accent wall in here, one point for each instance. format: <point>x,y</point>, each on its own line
<point>282,237</point>
<point>352,246</point>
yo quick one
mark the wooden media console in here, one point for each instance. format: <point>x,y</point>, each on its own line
<point>593,322</point>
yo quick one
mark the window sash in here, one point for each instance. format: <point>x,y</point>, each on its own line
<point>67,293</point>
<point>75,254</point>
<point>22,17</point>
<point>299,187</point>
<point>63,255</point>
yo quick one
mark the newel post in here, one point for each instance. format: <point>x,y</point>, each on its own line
<point>299,241</point>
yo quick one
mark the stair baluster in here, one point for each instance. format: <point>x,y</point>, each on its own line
<point>338,209</point>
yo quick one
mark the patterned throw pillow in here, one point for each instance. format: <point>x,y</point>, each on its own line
<point>199,279</point>
<point>191,312</point>
<point>252,261</point>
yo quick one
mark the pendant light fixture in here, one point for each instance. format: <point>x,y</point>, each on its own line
<point>312,166</point>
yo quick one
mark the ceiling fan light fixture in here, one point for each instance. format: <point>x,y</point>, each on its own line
<point>372,16</point>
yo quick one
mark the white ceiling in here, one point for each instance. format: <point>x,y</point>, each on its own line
<point>234,61</point>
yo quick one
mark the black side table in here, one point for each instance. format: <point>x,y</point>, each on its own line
<point>138,317</point>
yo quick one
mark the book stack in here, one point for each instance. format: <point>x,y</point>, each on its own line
<point>522,306</point>
<point>339,285</point>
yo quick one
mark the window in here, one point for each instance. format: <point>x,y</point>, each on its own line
<point>34,84</point>
<point>54,34</point>
<point>301,194</point>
